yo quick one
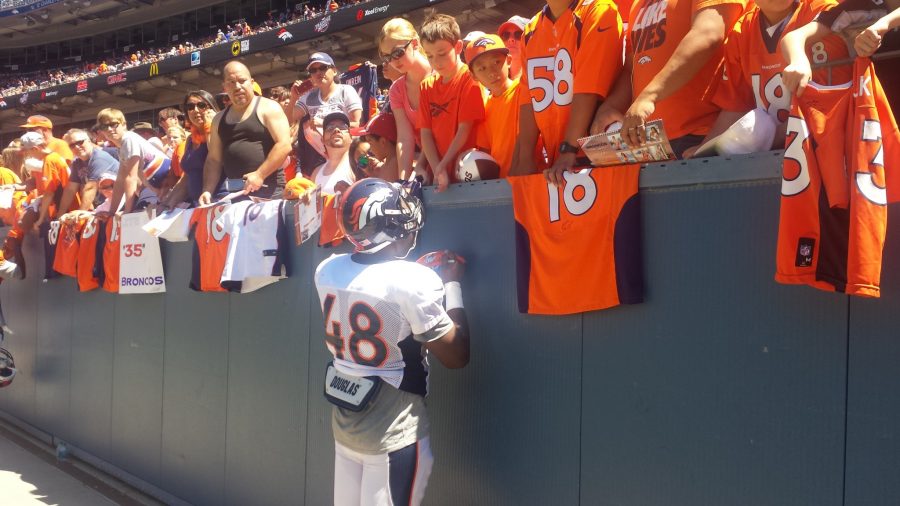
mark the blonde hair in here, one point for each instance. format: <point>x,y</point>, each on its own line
<point>14,160</point>
<point>110,114</point>
<point>440,27</point>
<point>397,28</point>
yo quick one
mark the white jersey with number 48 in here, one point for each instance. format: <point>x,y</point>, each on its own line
<point>372,313</point>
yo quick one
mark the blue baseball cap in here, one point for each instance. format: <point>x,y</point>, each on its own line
<point>319,58</point>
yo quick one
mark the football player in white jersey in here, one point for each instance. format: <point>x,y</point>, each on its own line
<point>384,316</point>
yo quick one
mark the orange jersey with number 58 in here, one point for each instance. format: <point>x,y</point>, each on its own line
<point>580,52</point>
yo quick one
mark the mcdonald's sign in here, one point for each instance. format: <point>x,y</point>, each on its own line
<point>154,69</point>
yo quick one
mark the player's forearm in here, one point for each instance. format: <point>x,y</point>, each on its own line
<point>582,113</point>
<point>702,42</point>
<point>460,356</point>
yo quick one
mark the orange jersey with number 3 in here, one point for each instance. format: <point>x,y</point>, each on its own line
<point>578,247</point>
<point>835,189</point>
<point>580,52</point>
<point>753,62</point>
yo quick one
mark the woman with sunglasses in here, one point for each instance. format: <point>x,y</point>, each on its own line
<point>200,108</point>
<point>326,96</point>
<point>398,45</point>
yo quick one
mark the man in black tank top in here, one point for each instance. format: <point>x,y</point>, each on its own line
<point>248,141</point>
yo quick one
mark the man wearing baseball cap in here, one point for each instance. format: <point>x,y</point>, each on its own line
<point>336,172</point>
<point>381,134</point>
<point>325,96</point>
<point>489,61</point>
<point>44,126</point>
<point>510,33</point>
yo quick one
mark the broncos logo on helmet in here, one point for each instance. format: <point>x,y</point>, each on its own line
<point>375,213</point>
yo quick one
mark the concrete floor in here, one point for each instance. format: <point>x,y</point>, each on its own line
<point>31,475</point>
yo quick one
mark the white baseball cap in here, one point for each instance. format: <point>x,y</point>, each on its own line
<point>751,133</point>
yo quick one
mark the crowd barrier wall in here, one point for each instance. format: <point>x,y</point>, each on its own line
<point>722,388</point>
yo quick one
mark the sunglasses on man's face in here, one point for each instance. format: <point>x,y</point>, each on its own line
<point>317,69</point>
<point>202,106</point>
<point>112,125</point>
<point>77,144</point>
<point>395,53</point>
<point>511,35</point>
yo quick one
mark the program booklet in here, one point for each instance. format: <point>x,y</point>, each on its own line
<point>611,149</point>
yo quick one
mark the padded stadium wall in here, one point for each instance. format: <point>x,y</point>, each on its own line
<point>723,388</point>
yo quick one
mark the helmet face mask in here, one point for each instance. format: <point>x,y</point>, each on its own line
<point>7,368</point>
<point>375,213</point>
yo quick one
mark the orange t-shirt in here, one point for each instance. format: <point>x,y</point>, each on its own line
<point>655,29</point>
<point>580,52</point>
<point>55,174</point>
<point>753,62</point>
<point>499,130</point>
<point>62,149</point>
<point>443,106</point>
<point>578,246</point>
<point>85,267</point>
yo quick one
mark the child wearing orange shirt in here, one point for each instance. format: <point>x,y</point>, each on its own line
<point>451,104</point>
<point>489,61</point>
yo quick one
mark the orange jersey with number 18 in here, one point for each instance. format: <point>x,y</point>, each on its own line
<point>753,62</point>
<point>580,52</point>
<point>578,246</point>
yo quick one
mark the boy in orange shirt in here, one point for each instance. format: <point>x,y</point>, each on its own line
<point>489,62</point>
<point>451,104</point>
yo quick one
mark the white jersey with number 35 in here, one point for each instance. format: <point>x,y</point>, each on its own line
<point>372,312</point>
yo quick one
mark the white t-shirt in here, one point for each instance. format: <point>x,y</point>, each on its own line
<point>327,182</point>
<point>258,249</point>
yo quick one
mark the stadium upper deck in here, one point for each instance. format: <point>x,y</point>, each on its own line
<point>274,57</point>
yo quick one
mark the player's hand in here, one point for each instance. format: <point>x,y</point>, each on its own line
<point>441,178</point>
<point>252,182</point>
<point>564,162</point>
<point>604,117</point>
<point>633,131</point>
<point>204,199</point>
<point>447,264</point>
<point>795,76</point>
<point>869,40</point>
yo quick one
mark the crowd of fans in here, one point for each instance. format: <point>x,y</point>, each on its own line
<point>38,80</point>
<point>450,94</point>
